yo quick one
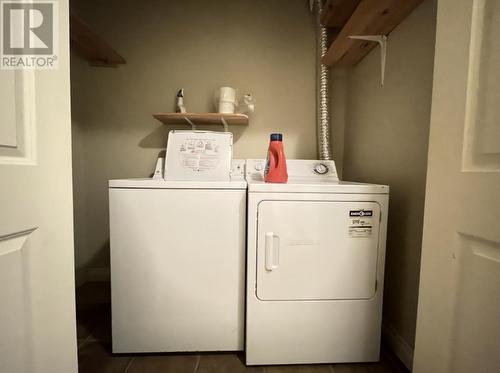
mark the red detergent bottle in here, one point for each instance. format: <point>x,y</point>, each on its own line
<point>275,171</point>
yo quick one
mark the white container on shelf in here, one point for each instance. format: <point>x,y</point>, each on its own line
<point>226,100</point>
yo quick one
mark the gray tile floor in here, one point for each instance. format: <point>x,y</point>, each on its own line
<point>94,349</point>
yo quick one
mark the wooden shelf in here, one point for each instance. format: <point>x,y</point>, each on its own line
<point>336,12</point>
<point>370,17</point>
<point>201,118</point>
<point>91,46</point>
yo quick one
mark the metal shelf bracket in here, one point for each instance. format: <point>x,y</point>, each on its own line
<point>193,126</point>
<point>224,124</point>
<point>382,41</point>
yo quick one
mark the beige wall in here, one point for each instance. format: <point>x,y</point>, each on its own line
<point>386,139</point>
<point>263,47</point>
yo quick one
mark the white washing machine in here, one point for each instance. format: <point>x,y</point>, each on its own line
<point>178,253</point>
<point>315,266</point>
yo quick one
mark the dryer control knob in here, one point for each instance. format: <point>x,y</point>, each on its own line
<point>258,167</point>
<point>321,168</point>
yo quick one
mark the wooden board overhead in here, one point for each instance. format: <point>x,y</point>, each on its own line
<point>336,12</point>
<point>371,17</point>
<point>91,46</point>
<point>201,118</point>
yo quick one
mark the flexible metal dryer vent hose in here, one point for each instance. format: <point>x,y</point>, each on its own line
<point>322,77</point>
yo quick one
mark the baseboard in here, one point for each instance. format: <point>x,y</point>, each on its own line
<point>400,347</point>
<point>98,274</point>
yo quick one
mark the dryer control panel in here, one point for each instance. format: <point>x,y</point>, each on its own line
<point>297,169</point>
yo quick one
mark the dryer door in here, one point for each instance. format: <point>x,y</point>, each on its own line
<point>317,250</point>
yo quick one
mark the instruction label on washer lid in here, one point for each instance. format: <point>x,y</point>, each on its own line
<point>360,223</point>
<point>199,154</point>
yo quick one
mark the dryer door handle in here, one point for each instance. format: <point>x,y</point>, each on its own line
<point>272,246</point>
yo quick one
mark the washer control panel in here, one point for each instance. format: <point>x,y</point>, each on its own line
<point>237,169</point>
<point>297,169</point>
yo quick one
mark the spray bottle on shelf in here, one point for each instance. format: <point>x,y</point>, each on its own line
<point>275,171</point>
<point>179,106</point>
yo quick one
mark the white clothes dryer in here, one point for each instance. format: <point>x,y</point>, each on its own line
<point>315,266</point>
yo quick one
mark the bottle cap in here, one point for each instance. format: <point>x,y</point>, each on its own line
<point>276,137</point>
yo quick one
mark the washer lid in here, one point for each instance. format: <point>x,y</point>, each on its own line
<point>198,155</point>
<point>164,184</point>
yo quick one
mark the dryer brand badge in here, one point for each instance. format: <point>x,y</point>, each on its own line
<point>361,213</point>
<point>360,223</point>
